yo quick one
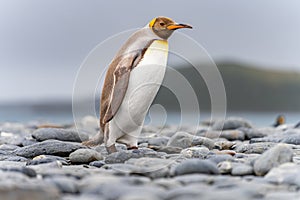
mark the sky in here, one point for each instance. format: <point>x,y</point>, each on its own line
<point>43,43</point>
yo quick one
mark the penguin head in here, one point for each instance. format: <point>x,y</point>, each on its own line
<point>164,27</point>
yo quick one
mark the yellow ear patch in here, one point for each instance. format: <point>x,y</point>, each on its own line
<point>151,24</point>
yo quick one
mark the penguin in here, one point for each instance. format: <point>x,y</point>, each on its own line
<point>280,120</point>
<point>131,83</point>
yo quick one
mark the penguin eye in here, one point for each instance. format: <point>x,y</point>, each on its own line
<point>161,23</point>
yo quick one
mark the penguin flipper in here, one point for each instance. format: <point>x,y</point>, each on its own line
<point>121,80</point>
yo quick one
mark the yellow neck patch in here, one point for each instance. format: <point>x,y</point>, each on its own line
<point>151,24</point>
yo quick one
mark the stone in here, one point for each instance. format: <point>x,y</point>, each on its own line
<point>231,123</point>
<point>49,147</point>
<point>240,169</point>
<point>227,134</point>
<point>225,145</point>
<point>258,132</point>
<point>170,150</point>
<point>290,136</point>
<point>158,141</point>
<point>18,187</point>
<point>151,167</point>
<point>273,157</point>
<point>287,173</point>
<point>85,156</point>
<point>42,159</point>
<point>24,170</point>
<point>225,167</point>
<point>217,158</point>
<point>122,156</point>
<point>196,166</point>
<point>59,134</point>
<point>63,183</point>
<point>195,152</point>
<point>258,148</point>
<point>184,140</point>
<point>98,163</point>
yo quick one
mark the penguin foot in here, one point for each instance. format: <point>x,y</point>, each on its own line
<point>111,149</point>
<point>96,140</point>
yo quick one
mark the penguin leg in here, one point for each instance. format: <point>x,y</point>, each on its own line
<point>108,141</point>
<point>96,140</point>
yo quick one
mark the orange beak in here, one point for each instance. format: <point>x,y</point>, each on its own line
<point>178,26</point>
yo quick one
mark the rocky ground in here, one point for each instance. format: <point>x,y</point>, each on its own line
<point>237,161</point>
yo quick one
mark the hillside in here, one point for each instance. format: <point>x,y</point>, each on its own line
<point>248,88</point>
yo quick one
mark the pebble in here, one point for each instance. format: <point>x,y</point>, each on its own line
<point>195,152</point>
<point>258,148</point>
<point>287,173</point>
<point>196,166</point>
<point>122,156</point>
<point>231,123</point>
<point>240,169</point>
<point>85,156</point>
<point>238,161</point>
<point>42,159</point>
<point>275,156</point>
<point>48,147</point>
<point>59,134</point>
<point>184,140</point>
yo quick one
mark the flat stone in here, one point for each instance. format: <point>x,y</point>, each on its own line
<point>258,132</point>
<point>195,152</point>
<point>18,187</point>
<point>48,147</point>
<point>42,159</point>
<point>85,156</point>
<point>98,163</point>
<point>217,158</point>
<point>291,136</point>
<point>59,134</point>
<point>287,173</point>
<point>227,134</point>
<point>122,156</point>
<point>225,167</point>
<point>254,147</point>
<point>196,166</point>
<point>184,140</point>
<point>63,183</point>
<point>158,141</point>
<point>240,169</point>
<point>275,156</point>
<point>231,123</point>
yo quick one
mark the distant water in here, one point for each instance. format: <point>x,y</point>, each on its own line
<point>25,114</point>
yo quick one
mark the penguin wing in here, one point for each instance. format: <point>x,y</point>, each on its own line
<point>121,76</point>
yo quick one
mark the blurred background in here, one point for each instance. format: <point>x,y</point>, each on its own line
<point>255,45</point>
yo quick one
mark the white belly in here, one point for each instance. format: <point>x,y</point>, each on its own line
<point>144,83</point>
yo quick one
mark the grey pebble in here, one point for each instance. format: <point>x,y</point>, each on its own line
<point>85,156</point>
<point>240,169</point>
<point>184,140</point>
<point>231,123</point>
<point>195,152</point>
<point>196,166</point>
<point>42,159</point>
<point>59,134</point>
<point>258,148</point>
<point>287,173</point>
<point>122,156</point>
<point>63,183</point>
<point>275,156</point>
<point>98,163</point>
<point>48,147</point>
